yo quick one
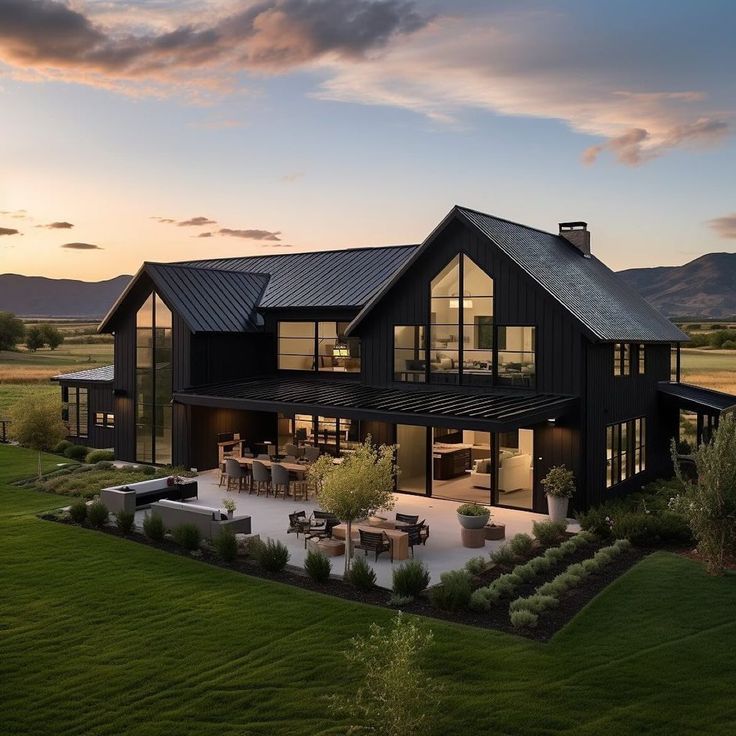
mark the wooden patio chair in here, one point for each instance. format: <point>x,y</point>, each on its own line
<point>376,542</point>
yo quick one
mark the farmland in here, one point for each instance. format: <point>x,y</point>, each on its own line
<point>23,373</point>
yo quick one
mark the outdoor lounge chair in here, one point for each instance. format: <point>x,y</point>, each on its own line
<point>406,518</point>
<point>418,534</point>
<point>376,542</point>
<point>320,526</point>
<point>298,523</point>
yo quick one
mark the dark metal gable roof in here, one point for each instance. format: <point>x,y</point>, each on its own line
<point>698,398</point>
<point>350,399</point>
<point>103,374</point>
<point>597,297</point>
<point>330,278</point>
<point>210,300</point>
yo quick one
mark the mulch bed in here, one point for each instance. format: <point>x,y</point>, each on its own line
<point>550,621</point>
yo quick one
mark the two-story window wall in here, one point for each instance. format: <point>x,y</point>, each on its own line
<point>153,410</point>
<point>317,346</point>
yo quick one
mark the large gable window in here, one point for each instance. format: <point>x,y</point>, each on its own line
<point>461,322</point>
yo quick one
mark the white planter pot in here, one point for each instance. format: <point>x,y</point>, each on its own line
<point>557,508</point>
<point>473,522</point>
<point>230,514</point>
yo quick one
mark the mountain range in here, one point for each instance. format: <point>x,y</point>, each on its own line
<point>704,287</point>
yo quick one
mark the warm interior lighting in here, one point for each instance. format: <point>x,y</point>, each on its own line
<point>455,302</point>
<point>341,351</point>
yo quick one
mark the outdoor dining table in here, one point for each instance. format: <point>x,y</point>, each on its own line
<point>295,468</point>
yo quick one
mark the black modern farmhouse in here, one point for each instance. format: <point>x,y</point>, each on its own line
<point>488,354</point>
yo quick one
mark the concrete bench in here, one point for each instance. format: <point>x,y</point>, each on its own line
<point>209,520</point>
<point>137,495</point>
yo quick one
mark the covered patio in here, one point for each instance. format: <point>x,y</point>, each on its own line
<point>443,551</point>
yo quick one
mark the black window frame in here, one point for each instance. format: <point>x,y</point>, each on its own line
<point>622,362</point>
<point>315,355</point>
<point>622,464</point>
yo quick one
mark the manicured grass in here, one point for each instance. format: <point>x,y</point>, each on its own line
<point>104,636</point>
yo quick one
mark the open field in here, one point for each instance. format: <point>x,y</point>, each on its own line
<point>103,636</point>
<point>714,369</point>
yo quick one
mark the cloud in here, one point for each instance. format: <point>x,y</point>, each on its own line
<point>57,226</point>
<point>724,226</point>
<point>81,246</point>
<point>292,177</point>
<point>205,235</point>
<point>9,231</point>
<point>16,214</point>
<point>196,222</point>
<point>524,64</point>
<point>163,219</point>
<point>250,234</point>
<point>59,41</point>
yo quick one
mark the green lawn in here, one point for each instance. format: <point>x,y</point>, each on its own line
<point>102,636</point>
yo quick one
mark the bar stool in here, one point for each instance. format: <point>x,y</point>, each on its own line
<point>279,480</point>
<point>234,473</point>
<point>261,478</point>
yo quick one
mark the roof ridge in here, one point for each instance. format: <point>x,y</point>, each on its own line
<point>504,219</point>
<point>185,264</point>
<point>298,253</point>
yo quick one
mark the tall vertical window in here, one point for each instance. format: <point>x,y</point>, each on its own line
<point>622,359</point>
<point>322,346</point>
<point>516,361</point>
<point>675,362</point>
<point>410,359</point>
<point>153,411</point>
<point>641,359</point>
<point>74,410</point>
<point>461,323</point>
<point>625,450</point>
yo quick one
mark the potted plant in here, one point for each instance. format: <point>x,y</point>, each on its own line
<point>559,486</point>
<point>473,515</point>
<point>229,505</point>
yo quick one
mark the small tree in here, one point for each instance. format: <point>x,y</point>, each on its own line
<point>359,486</point>
<point>395,698</point>
<point>34,338</point>
<point>12,331</point>
<point>36,423</point>
<point>52,336</point>
<point>709,503</point>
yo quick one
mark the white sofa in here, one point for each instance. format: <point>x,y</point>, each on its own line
<point>514,472</point>
<point>209,520</point>
<point>137,495</point>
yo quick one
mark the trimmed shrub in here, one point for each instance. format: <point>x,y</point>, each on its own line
<point>226,545</point>
<point>594,564</point>
<point>187,536</point>
<point>521,545</point>
<point>539,565</point>
<point>153,527</point>
<point>318,567</point>
<point>504,555</point>
<point>410,578</point>
<point>103,465</point>
<point>76,452</point>
<point>476,565</point>
<point>59,447</point>
<point>361,575</point>
<point>481,600</point>
<point>554,588</point>
<point>505,585</point>
<point>78,512</point>
<point>125,521</point>
<point>549,532</point>
<point>95,456</point>
<point>523,619</point>
<point>623,544</point>
<point>97,514</point>
<point>398,601</point>
<point>272,555</point>
<point>536,603</point>
<point>525,572</point>
<point>554,554</point>
<point>454,591</point>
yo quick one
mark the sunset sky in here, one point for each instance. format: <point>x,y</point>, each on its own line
<point>173,129</point>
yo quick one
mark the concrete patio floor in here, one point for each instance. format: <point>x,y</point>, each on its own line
<point>443,551</point>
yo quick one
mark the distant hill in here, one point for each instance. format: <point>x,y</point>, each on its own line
<point>705,287</point>
<point>36,296</point>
